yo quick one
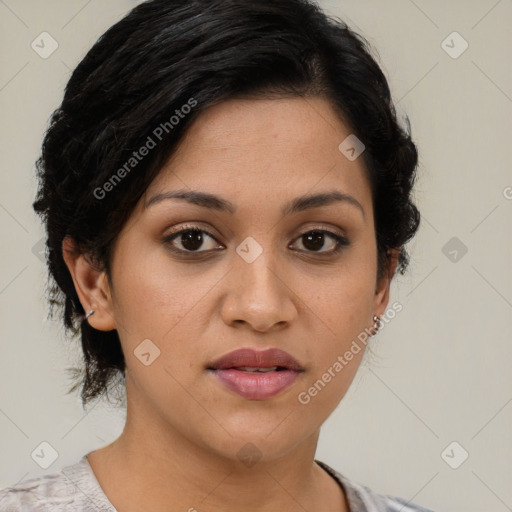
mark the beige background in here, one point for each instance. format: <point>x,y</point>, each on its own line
<point>441,370</point>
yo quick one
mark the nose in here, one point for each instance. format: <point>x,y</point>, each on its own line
<point>258,296</point>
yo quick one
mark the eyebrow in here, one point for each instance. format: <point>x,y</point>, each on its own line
<point>217,203</point>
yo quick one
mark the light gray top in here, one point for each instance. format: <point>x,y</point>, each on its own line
<point>75,489</point>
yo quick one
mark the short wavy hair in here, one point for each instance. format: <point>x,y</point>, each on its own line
<point>146,68</point>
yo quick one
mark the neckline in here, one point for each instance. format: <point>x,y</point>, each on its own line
<point>341,481</point>
<point>93,489</point>
<point>97,491</point>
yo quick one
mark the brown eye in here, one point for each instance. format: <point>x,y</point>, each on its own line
<point>316,240</point>
<point>191,240</point>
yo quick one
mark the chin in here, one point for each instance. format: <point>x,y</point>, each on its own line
<point>256,445</point>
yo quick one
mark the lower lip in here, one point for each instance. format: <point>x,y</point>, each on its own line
<point>256,386</point>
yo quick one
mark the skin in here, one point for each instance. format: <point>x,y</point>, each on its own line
<point>178,450</point>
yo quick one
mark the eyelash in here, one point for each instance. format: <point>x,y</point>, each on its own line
<point>342,242</point>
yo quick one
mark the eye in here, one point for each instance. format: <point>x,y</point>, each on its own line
<point>195,240</point>
<point>190,239</point>
<point>317,239</point>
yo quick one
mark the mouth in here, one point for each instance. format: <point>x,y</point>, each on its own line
<point>256,375</point>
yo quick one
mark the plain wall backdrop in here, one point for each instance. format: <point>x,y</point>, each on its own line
<point>438,385</point>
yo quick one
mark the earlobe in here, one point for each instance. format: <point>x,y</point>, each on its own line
<point>91,285</point>
<point>384,282</point>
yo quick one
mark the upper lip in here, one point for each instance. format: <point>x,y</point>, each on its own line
<point>257,359</point>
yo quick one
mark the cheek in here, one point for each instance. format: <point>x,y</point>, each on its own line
<point>343,309</point>
<point>340,342</point>
<point>344,298</point>
<point>151,297</point>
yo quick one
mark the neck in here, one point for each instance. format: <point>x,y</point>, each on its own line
<point>152,465</point>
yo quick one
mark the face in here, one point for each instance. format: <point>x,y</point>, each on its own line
<point>281,254</point>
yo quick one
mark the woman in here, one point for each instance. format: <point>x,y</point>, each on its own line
<point>227,194</point>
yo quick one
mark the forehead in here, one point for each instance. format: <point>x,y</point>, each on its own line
<point>265,148</point>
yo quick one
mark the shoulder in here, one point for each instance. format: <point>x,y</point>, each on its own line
<point>363,499</point>
<point>69,490</point>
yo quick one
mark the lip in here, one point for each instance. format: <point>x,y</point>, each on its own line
<point>256,386</point>
<point>257,358</point>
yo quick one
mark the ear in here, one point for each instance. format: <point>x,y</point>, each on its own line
<point>91,285</point>
<point>384,282</point>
